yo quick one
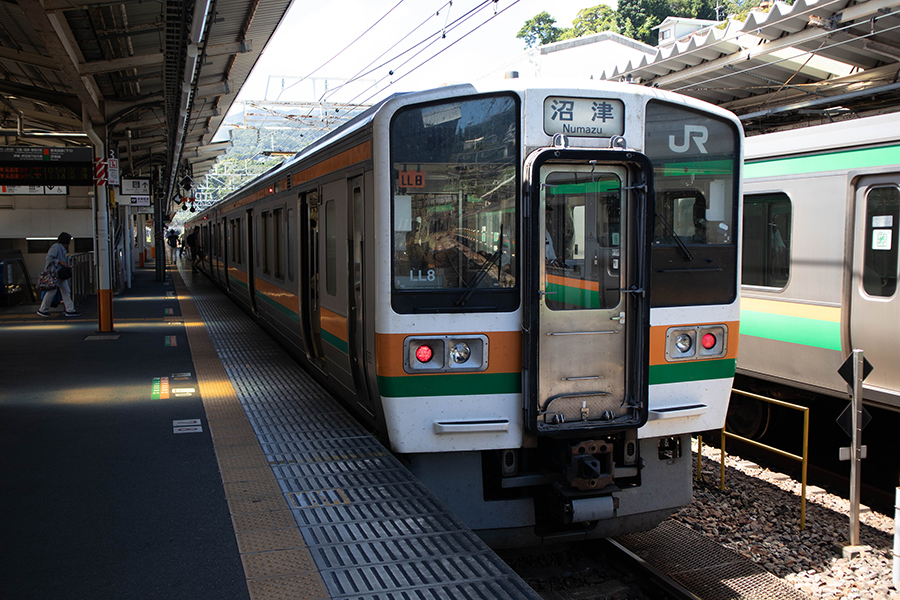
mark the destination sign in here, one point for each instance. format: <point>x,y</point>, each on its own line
<point>584,117</point>
<point>29,166</point>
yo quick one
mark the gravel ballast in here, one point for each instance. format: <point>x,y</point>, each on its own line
<point>758,516</point>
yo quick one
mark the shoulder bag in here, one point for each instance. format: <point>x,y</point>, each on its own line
<point>47,280</point>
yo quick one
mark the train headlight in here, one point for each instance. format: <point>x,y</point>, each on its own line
<point>683,343</point>
<point>445,353</point>
<point>697,341</point>
<point>460,352</point>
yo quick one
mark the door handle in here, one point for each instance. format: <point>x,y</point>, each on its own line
<point>620,318</point>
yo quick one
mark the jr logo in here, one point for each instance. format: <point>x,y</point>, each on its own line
<point>698,133</point>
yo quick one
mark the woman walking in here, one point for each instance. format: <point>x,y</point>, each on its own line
<point>56,258</point>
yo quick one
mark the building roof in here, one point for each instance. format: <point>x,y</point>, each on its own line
<point>815,59</point>
<point>160,75</point>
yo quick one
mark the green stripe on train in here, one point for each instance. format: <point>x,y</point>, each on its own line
<point>335,341</point>
<point>235,281</point>
<point>456,384</point>
<point>572,296</point>
<point>692,370</point>
<point>795,330</point>
<point>293,316</point>
<point>820,163</point>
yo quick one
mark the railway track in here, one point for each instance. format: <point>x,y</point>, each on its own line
<point>595,569</point>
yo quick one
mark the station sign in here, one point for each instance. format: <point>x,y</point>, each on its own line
<point>135,187</point>
<point>34,190</point>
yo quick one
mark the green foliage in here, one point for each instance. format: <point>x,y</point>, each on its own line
<point>540,30</point>
<point>594,20</point>
<point>633,18</point>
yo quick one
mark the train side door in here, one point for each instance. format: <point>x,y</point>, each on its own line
<point>251,260</point>
<point>226,244</point>
<point>591,307</point>
<point>874,303</point>
<point>356,308</point>
<point>309,277</point>
<point>334,284</point>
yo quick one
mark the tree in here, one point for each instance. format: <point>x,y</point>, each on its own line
<point>540,30</point>
<point>594,20</point>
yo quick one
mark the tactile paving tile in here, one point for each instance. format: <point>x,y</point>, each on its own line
<point>373,531</point>
<point>278,562</point>
<point>262,521</point>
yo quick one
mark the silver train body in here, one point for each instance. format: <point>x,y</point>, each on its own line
<point>530,294</point>
<point>819,258</point>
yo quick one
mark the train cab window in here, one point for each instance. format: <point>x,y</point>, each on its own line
<point>696,162</point>
<point>880,252</point>
<point>277,241</point>
<point>264,242</point>
<point>455,204</point>
<point>767,240</point>
<point>330,249</point>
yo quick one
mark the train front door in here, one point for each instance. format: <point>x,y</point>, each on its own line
<point>590,302</point>
<point>874,303</point>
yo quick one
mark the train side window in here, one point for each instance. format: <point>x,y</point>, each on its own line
<point>266,220</point>
<point>880,252</point>
<point>277,241</point>
<point>330,249</point>
<point>767,240</point>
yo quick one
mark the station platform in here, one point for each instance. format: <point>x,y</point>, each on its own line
<point>184,455</point>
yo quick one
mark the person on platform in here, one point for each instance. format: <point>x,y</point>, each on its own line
<point>172,242</point>
<point>193,243</point>
<point>56,258</point>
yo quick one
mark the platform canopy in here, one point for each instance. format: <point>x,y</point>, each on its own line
<point>157,77</point>
<point>815,59</point>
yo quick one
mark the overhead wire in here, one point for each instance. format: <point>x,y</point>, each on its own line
<point>434,38</point>
<point>495,15</point>
<point>363,72</point>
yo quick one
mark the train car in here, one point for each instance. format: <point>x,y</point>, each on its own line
<point>819,266</point>
<point>529,293</point>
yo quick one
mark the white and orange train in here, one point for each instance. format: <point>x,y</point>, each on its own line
<point>530,293</point>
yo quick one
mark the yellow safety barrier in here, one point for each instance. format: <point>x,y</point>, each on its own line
<point>804,459</point>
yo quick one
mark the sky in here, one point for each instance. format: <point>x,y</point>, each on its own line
<point>316,46</point>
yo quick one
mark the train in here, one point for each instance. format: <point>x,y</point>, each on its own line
<point>529,293</point>
<point>819,265</point>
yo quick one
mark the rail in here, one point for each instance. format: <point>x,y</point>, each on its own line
<point>803,459</point>
<point>82,283</point>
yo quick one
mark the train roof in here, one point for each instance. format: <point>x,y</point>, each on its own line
<point>865,131</point>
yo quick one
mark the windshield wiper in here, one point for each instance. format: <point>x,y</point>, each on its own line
<point>674,236</point>
<point>470,289</point>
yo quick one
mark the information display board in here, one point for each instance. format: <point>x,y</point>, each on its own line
<point>29,166</point>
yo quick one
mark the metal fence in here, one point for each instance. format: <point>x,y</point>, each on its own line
<point>802,459</point>
<point>82,283</point>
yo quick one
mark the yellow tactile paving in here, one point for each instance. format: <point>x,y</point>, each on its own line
<point>280,562</point>
<point>235,475</point>
<point>288,587</point>
<point>260,521</point>
<point>273,539</point>
<point>245,488</point>
<point>276,562</point>
<point>256,503</point>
